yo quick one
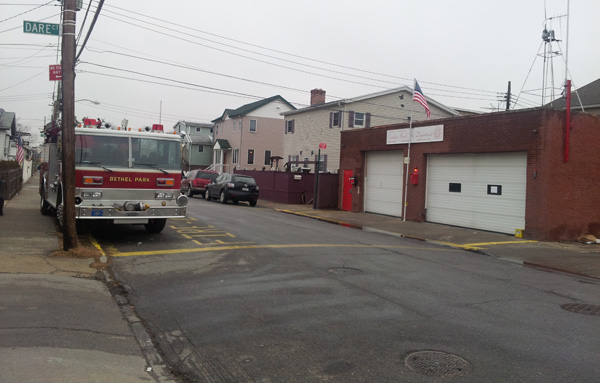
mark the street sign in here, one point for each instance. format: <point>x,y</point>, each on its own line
<point>322,145</point>
<point>55,73</point>
<point>39,28</point>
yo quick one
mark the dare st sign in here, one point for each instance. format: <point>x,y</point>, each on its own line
<point>39,28</point>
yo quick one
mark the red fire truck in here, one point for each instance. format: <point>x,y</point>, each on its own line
<point>121,176</point>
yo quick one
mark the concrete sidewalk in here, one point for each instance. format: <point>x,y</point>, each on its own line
<point>58,320</point>
<point>573,258</point>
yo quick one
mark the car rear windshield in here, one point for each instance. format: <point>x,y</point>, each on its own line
<point>248,180</point>
<point>207,175</point>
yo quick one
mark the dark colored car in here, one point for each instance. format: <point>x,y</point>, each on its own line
<point>235,187</point>
<point>196,182</point>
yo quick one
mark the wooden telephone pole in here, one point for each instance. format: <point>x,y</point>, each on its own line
<point>68,125</point>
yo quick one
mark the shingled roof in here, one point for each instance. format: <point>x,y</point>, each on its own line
<point>589,95</point>
<point>248,108</point>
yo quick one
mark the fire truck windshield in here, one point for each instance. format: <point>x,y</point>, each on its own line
<point>114,152</point>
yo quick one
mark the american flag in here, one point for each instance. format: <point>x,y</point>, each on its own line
<point>420,98</point>
<point>20,152</point>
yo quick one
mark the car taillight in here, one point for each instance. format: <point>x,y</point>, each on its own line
<point>230,185</point>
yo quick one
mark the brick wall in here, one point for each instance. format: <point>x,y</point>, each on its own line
<point>560,196</point>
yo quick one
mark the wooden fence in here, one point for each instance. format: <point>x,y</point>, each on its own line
<point>296,188</point>
<point>12,182</point>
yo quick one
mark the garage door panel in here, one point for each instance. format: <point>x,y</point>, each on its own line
<point>384,183</point>
<point>473,206</point>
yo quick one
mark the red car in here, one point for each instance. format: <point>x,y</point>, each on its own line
<point>196,182</point>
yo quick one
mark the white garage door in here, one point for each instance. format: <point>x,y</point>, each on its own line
<point>383,182</point>
<point>483,191</point>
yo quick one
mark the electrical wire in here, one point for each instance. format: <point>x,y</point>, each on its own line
<point>87,11</point>
<point>128,22</point>
<point>22,13</point>
<point>96,14</point>
<point>287,53</point>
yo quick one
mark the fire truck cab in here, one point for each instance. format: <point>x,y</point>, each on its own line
<point>122,176</point>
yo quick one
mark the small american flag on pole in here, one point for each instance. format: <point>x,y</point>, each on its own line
<point>420,98</point>
<point>20,152</point>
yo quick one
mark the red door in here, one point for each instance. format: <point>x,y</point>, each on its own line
<point>347,191</point>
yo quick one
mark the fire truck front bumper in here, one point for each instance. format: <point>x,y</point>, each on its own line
<point>109,212</point>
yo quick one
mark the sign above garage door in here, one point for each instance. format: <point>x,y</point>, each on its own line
<point>433,133</point>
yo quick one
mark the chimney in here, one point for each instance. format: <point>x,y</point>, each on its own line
<point>317,96</point>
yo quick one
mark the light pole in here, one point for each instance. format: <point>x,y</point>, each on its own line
<point>85,99</point>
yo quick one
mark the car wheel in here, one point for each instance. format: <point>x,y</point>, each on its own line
<point>205,195</point>
<point>252,203</point>
<point>189,192</point>
<point>223,197</point>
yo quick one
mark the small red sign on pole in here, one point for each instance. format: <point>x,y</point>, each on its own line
<point>55,73</point>
<point>322,145</point>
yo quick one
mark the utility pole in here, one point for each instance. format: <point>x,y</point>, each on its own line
<point>508,97</point>
<point>68,125</point>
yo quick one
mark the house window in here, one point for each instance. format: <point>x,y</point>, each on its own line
<point>250,156</point>
<point>217,156</point>
<point>216,130</point>
<point>198,130</point>
<point>239,126</point>
<point>359,119</point>
<point>236,156</point>
<point>335,119</point>
<point>200,148</point>
<point>289,127</point>
<point>253,125</point>
<point>267,157</point>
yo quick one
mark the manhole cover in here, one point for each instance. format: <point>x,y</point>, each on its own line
<point>581,308</point>
<point>437,363</point>
<point>344,271</point>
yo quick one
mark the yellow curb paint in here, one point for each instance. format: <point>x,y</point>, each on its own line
<point>221,248</point>
<point>479,246</point>
<point>96,244</point>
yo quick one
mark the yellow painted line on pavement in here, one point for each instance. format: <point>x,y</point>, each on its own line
<point>482,245</point>
<point>246,247</point>
<point>96,244</point>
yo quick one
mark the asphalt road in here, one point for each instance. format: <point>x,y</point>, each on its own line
<point>241,294</point>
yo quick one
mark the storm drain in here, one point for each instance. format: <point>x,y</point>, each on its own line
<point>581,308</point>
<point>344,271</point>
<point>437,363</point>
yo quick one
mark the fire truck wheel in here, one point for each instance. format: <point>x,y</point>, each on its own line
<point>189,192</point>
<point>156,225</point>
<point>44,207</point>
<point>59,216</point>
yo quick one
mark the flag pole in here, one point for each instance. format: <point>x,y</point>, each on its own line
<point>407,158</point>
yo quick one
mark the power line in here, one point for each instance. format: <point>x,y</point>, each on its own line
<point>128,21</point>
<point>22,13</point>
<point>96,14</point>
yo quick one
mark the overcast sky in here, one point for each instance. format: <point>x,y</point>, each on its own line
<point>197,58</point>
